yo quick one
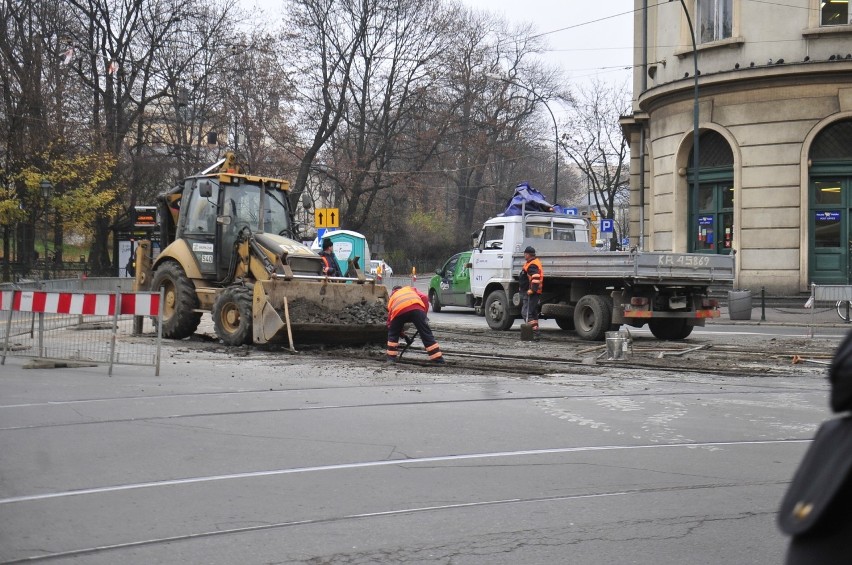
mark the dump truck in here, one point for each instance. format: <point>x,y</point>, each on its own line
<point>229,248</point>
<point>589,291</point>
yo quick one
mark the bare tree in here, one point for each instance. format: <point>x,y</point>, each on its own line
<point>327,36</point>
<point>374,148</point>
<point>594,142</point>
<point>117,51</point>
<point>486,117</point>
<point>26,28</point>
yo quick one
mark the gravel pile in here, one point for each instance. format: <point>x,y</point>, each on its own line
<point>307,312</point>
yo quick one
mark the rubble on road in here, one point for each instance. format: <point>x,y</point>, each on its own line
<point>303,311</point>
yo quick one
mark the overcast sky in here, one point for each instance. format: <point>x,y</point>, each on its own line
<point>588,39</point>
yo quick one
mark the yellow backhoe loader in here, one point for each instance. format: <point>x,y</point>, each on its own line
<point>229,249</point>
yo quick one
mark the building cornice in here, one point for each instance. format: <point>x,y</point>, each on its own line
<point>749,78</point>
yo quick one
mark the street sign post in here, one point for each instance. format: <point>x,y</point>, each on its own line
<point>327,218</point>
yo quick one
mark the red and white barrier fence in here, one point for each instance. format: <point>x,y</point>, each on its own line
<point>59,310</point>
<point>84,303</point>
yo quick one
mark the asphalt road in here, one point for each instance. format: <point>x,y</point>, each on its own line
<point>248,457</point>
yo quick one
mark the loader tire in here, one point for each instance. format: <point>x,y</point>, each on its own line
<point>592,317</point>
<point>566,324</point>
<point>497,311</point>
<point>670,329</point>
<point>180,302</point>
<point>434,301</point>
<point>232,315</point>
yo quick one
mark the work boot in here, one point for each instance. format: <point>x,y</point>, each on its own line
<point>390,360</point>
<point>536,336</point>
<point>439,361</point>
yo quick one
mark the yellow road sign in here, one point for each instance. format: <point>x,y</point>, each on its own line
<point>327,218</point>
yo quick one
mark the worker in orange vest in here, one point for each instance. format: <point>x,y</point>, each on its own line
<point>407,304</point>
<point>530,282</point>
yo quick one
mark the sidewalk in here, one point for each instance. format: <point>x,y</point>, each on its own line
<point>786,312</point>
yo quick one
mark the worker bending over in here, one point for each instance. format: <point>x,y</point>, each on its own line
<point>407,304</point>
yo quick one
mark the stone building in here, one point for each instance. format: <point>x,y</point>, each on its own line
<point>774,105</point>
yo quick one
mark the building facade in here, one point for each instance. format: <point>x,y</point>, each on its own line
<point>773,181</point>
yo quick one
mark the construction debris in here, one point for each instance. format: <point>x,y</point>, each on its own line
<point>304,311</point>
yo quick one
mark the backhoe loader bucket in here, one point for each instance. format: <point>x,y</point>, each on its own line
<point>319,311</point>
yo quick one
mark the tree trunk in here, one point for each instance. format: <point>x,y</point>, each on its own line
<point>99,261</point>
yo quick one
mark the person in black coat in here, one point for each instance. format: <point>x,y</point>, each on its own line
<point>817,508</point>
<point>330,266</point>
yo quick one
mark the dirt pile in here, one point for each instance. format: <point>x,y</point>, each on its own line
<point>304,311</point>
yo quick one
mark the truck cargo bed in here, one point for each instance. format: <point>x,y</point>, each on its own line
<point>636,267</point>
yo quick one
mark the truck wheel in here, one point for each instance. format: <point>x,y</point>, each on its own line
<point>592,317</point>
<point>180,319</point>
<point>566,324</point>
<point>232,315</point>
<point>434,301</point>
<point>670,329</point>
<point>497,311</point>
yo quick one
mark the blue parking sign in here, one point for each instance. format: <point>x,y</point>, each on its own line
<point>607,226</point>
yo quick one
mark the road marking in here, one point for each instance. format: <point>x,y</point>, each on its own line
<point>384,463</point>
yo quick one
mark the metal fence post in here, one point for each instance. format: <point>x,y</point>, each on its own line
<point>116,310</point>
<point>159,333</point>
<point>763,304</point>
<point>6,341</point>
<point>813,309</point>
<point>41,334</point>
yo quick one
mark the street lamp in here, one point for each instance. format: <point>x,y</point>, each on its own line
<point>539,98</point>
<point>695,102</point>
<point>46,192</point>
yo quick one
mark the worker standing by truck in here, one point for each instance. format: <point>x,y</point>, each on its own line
<point>407,304</point>
<point>530,283</point>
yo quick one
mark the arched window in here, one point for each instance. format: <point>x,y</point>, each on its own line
<point>711,208</point>
<point>830,205</point>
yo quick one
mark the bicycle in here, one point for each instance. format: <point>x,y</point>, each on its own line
<point>844,307</point>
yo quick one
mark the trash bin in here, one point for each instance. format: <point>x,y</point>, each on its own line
<point>739,304</point>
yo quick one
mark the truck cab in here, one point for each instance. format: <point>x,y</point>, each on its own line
<point>500,244</point>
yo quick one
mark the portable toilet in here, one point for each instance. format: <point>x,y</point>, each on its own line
<point>346,244</point>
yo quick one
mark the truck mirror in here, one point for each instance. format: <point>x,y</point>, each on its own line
<point>205,189</point>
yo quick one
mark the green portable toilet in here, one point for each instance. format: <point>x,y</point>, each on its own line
<point>346,244</point>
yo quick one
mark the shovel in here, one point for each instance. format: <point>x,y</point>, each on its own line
<point>527,329</point>
<point>408,342</point>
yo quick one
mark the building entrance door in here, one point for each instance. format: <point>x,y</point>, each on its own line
<point>711,219</point>
<point>830,243</point>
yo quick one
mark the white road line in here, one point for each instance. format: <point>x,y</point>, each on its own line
<point>367,464</point>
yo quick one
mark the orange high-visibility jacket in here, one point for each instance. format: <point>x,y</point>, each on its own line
<point>532,276</point>
<point>405,299</point>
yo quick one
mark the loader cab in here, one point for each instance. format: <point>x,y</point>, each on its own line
<point>215,210</point>
<point>198,226</point>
